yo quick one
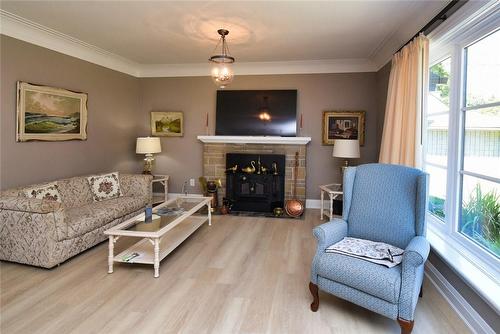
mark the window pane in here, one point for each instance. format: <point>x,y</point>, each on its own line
<point>482,141</point>
<point>483,71</point>
<point>439,88</point>
<point>437,190</point>
<point>436,147</point>
<point>480,216</point>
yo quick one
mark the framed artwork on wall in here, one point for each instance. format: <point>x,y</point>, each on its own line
<point>343,125</point>
<point>49,113</point>
<point>167,123</point>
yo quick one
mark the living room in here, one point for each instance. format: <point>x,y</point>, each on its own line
<point>178,166</point>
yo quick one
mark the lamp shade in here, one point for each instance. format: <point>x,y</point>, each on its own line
<point>346,148</point>
<point>147,145</point>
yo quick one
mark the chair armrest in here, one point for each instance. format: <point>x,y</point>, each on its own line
<point>32,205</point>
<point>416,252</point>
<point>329,233</point>
<point>412,275</point>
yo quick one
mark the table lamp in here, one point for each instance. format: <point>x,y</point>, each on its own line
<point>347,149</point>
<point>148,146</point>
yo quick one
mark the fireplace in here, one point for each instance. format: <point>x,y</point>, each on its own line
<point>259,189</point>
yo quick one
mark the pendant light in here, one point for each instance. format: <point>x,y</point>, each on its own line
<point>222,71</point>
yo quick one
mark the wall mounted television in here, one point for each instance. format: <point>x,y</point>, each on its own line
<point>256,113</point>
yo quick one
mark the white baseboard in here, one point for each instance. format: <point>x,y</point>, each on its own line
<point>471,318</point>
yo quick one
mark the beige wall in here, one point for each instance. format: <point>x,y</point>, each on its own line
<point>114,118</point>
<point>119,107</point>
<point>195,96</point>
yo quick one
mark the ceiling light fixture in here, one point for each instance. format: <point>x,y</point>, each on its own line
<point>222,71</point>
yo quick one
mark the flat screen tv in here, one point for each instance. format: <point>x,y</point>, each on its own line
<point>256,113</point>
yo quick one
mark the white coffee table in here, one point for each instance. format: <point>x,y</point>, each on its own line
<point>162,234</point>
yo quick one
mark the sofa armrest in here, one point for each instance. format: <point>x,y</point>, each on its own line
<point>412,275</point>
<point>32,205</point>
<point>137,185</point>
<point>329,233</point>
<point>326,234</point>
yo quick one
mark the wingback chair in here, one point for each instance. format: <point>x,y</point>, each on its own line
<point>383,203</point>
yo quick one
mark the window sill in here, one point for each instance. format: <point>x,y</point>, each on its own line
<point>471,269</point>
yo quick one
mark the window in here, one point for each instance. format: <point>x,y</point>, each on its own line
<point>480,172</point>
<point>461,141</point>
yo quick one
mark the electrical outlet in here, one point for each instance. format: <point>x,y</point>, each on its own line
<point>191,182</point>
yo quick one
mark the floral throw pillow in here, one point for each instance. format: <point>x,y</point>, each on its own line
<point>49,191</point>
<point>105,186</point>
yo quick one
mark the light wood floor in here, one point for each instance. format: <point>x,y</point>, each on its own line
<point>241,275</point>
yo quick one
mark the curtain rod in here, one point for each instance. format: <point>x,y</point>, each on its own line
<point>447,11</point>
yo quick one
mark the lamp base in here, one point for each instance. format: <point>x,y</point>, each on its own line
<point>344,167</point>
<point>148,164</point>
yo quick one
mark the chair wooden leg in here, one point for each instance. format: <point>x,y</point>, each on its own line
<point>406,326</point>
<point>314,292</point>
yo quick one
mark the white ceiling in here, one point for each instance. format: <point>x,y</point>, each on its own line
<point>174,32</point>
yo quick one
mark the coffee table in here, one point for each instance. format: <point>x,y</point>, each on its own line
<point>162,234</point>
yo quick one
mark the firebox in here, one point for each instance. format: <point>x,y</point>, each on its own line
<point>257,184</point>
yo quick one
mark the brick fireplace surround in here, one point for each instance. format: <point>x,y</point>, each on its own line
<point>216,147</point>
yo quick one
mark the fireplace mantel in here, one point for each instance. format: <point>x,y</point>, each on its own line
<point>254,140</point>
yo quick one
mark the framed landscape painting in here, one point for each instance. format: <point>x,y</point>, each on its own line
<point>343,125</point>
<point>167,123</point>
<point>51,114</point>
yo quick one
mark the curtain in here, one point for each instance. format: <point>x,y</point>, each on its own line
<point>401,136</point>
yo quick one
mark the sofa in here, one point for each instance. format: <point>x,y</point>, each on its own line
<point>45,233</point>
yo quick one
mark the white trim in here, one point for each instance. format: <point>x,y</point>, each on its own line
<point>476,273</point>
<point>23,29</point>
<point>313,204</point>
<point>471,318</point>
<point>34,33</point>
<point>254,140</point>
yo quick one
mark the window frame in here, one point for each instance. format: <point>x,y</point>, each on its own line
<point>452,44</point>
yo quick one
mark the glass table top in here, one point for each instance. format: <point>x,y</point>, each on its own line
<point>165,214</point>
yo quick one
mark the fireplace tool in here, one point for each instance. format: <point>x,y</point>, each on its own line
<point>294,207</point>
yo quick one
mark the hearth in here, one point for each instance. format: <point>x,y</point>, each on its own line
<point>262,187</point>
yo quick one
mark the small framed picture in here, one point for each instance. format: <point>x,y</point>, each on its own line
<point>50,114</point>
<point>343,125</point>
<point>167,123</point>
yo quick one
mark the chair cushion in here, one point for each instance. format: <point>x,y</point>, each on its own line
<point>371,278</point>
<point>90,217</point>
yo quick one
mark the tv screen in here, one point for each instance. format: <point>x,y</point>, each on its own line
<point>256,113</point>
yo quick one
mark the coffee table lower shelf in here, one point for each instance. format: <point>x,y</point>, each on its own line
<point>168,242</point>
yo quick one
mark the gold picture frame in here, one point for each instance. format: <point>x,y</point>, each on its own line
<point>343,125</point>
<point>50,114</point>
<point>167,123</point>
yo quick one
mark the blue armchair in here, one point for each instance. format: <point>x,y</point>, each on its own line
<point>384,203</point>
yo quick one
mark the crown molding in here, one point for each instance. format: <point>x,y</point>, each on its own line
<point>20,28</point>
<point>23,29</point>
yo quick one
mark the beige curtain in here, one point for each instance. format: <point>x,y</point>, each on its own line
<point>401,137</point>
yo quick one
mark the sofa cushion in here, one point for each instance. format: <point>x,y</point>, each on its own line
<point>90,217</point>
<point>48,191</point>
<point>105,186</point>
<point>75,192</point>
<point>371,278</point>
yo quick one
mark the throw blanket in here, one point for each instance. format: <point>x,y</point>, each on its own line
<point>376,252</point>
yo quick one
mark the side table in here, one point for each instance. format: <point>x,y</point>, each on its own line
<point>334,191</point>
<point>163,181</point>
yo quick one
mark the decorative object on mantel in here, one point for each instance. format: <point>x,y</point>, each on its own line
<point>249,169</point>
<point>222,72</point>
<point>167,123</point>
<point>294,207</point>
<point>347,149</point>
<point>50,114</point>
<point>343,125</point>
<point>148,146</point>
